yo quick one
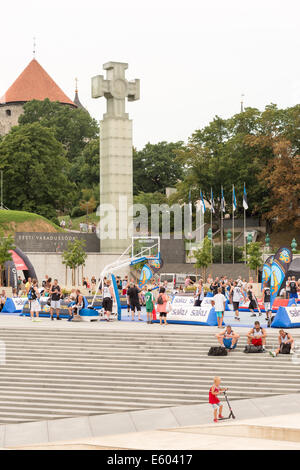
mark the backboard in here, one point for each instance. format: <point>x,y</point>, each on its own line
<point>146,246</point>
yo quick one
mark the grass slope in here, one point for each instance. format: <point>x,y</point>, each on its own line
<point>21,221</point>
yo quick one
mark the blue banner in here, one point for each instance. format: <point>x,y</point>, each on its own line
<point>266,271</point>
<point>279,268</point>
<point>146,275</point>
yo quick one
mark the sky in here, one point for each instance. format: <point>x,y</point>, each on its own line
<point>194,58</point>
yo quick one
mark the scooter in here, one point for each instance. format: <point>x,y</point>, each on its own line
<point>231,414</point>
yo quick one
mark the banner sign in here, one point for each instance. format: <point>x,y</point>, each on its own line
<point>183,310</point>
<point>14,305</point>
<point>146,275</point>
<point>266,271</point>
<point>279,268</point>
<point>294,314</point>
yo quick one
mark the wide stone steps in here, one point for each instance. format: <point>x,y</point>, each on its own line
<point>59,373</point>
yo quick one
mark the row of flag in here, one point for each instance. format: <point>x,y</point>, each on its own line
<point>223,203</point>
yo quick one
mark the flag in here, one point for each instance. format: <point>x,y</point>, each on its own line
<point>245,202</point>
<point>202,205</point>
<point>146,275</point>
<point>223,203</point>
<point>190,200</point>
<point>233,199</point>
<point>212,204</point>
<point>280,266</point>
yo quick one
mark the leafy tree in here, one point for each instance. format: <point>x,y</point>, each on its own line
<point>73,127</point>
<point>74,256</point>
<point>6,245</point>
<point>88,203</point>
<point>155,167</point>
<point>203,256</point>
<point>254,257</point>
<point>35,166</point>
<point>85,170</point>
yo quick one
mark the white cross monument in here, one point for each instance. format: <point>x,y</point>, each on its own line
<point>116,175</point>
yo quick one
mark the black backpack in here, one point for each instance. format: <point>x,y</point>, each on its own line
<point>250,348</point>
<point>285,348</point>
<point>160,300</point>
<point>217,351</point>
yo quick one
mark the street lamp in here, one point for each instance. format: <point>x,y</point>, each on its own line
<point>294,245</point>
<point>228,236</point>
<point>249,238</point>
<point>267,240</point>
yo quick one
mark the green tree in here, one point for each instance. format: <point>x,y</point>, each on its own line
<point>35,167</point>
<point>85,170</point>
<point>6,245</point>
<point>254,257</point>
<point>203,256</point>
<point>72,127</point>
<point>155,167</point>
<point>74,256</point>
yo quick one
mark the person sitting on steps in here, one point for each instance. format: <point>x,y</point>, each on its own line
<point>257,336</point>
<point>286,342</point>
<point>228,338</point>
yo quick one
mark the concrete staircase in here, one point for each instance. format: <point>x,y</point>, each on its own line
<point>59,373</point>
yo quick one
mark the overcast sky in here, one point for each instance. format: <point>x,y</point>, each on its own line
<point>194,57</point>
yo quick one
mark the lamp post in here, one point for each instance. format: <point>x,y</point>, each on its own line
<point>267,240</point>
<point>249,238</point>
<point>228,236</point>
<point>294,245</point>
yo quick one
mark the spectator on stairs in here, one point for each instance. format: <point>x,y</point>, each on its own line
<point>286,344</point>
<point>228,338</point>
<point>257,336</point>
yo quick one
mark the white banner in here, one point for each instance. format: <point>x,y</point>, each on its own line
<point>19,302</point>
<point>294,314</point>
<point>183,310</point>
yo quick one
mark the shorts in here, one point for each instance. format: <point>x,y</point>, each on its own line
<point>236,305</point>
<point>219,314</point>
<point>107,304</point>
<point>215,405</point>
<point>35,306</point>
<point>256,341</point>
<point>135,306</point>
<point>163,314</point>
<point>252,305</point>
<point>55,304</point>
<point>293,295</point>
<point>267,306</point>
<point>228,342</point>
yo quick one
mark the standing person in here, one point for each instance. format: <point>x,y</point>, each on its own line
<point>257,336</point>
<point>293,288</point>
<point>19,285</point>
<point>134,300</point>
<point>108,298</point>
<point>161,308</point>
<point>287,288</point>
<point>251,298</point>
<point>28,285</point>
<point>33,296</point>
<point>267,301</point>
<point>237,296</point>
<point>219,303</point>
<point>124,285</point>
<point>213,399</point>
<point>55,293</point>
<point>149,297</point>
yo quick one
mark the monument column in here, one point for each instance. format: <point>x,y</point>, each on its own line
<point>116,173</point>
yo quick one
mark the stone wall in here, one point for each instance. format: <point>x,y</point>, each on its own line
<point>6,120</point>
<point>51,264</point>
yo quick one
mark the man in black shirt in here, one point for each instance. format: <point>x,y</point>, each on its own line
<point>134,301</point>
<point>55,293</point>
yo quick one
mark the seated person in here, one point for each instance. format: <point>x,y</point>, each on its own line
<point>257,336</point>
<point>286,341</point>
<point>228,338</point>
<point>77,306</point>
<point>72,301</point>
<point>2,299</point>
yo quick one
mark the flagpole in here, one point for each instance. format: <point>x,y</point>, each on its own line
<point>245,244</point>
<point>222,232</point>
<point>233,225</point>
<point>211,239</point>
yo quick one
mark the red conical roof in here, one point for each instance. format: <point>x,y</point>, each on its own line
<point>34,83</point>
